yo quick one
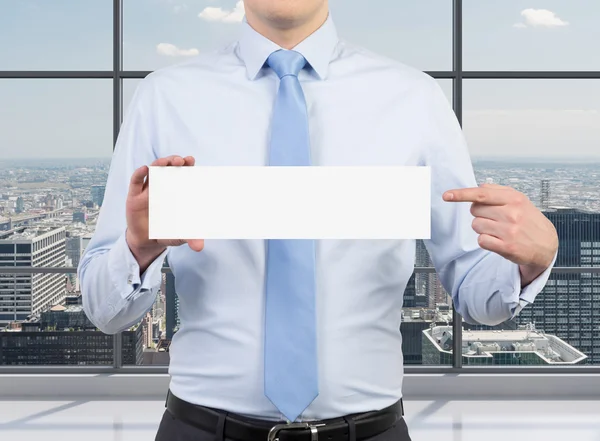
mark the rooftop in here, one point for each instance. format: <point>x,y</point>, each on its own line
<point>549,348</point>
<point>28,233</point>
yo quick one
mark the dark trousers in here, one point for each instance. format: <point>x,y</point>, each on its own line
<point>173,429</point>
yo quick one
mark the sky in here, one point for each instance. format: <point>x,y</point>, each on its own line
<point>533,118</point>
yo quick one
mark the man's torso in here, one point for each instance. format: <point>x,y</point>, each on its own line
<point>369,111</point>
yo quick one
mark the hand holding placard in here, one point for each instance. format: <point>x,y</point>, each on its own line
<point>144,249</point>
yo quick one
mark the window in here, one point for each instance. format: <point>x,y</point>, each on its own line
<point>524,119</point>
<point>24,248</point>
<point>392,28</point>
<point>65,128</point>
<point>7,248</point>
<point>510,123</point>
<point>43,35</point>
<point>57,135</point>
<point>519,36</point>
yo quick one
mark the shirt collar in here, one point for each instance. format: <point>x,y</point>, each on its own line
<point>317,48</point>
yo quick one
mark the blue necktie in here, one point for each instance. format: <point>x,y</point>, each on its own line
<point>290,325</point>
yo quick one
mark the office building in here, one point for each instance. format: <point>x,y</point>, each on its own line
<point>20,206</point>
<point>97,193</point>
<point>79,216</point>
<point>147,330</point>
<point>74,248</point>
<point>82,348</point>
<point>65,317</point>
<point>414,322</point>
<point>409,298</point>
<point>63,335</point>
<point>172,305</point>
<point>25,294</point>
<point>569,305</point>
<point>429,291</point>
<point>501,348</point>
<point>545,194</point>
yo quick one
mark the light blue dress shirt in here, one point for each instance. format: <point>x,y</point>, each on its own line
<point>363,109</point>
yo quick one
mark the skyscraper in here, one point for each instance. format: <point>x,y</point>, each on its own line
<point>423,281</point>
<point>97,192</point>
<point>172,305</point>
<point>24,294</point>
<point>545,194</point>
<point>429,291</point>
<point>74,247</point>
<point>569,305</point>
<point>409,300</point>
<point>20,205</point>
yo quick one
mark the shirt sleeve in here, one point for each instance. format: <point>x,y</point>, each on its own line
<point>485,287</point>
<point>115,296</point>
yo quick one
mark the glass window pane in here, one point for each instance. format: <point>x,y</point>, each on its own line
<point>56,35</point>
<point>520,35</point>
<point>417,33</point>
<point>550,119</point>
<point>172,31</point>
<point>541,137</point>
<point>56,139</point>
<point>58,335</point>
<point>55,119</point>
<point>157,34</point>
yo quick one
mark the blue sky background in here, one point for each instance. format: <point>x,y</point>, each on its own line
<point>70,118</point>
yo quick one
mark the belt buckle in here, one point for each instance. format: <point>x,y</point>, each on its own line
<point>314,435</point>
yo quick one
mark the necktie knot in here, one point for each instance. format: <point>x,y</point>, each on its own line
<point>285,62</point>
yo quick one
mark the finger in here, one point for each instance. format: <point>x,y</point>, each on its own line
<point>169,160</point>
<point>493,212</point>
<point>487,226</point>
<point>189,161</point>
<point>488,196</point>
<point>196,244</point>
<point>500,187</point>
<point>493,244</point>
<point>136,184</point>
<point>171,242</point>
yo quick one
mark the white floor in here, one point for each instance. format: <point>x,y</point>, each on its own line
<point>428,420</point>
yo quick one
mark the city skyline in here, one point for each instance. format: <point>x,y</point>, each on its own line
<point>39,198</point>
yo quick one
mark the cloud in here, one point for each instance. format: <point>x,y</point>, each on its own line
<point>234,15</point>
<point>540,18</point>
<point>170,50</point>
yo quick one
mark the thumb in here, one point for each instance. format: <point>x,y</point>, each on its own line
<point>136,184</point>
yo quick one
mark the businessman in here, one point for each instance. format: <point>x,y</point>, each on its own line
<point>299,339</point>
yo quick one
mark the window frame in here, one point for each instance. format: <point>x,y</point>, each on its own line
<point>457,75</point>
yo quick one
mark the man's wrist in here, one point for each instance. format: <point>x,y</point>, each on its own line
<point>143,254</point>
<point>530,272</point>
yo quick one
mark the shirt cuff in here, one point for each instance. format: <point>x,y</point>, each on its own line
<point>530,292</point>
<point>124,270</point>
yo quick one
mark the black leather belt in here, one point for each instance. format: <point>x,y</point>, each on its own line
<point>224,425</point>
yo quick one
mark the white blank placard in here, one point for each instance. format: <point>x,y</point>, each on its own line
<point>290,202</point>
